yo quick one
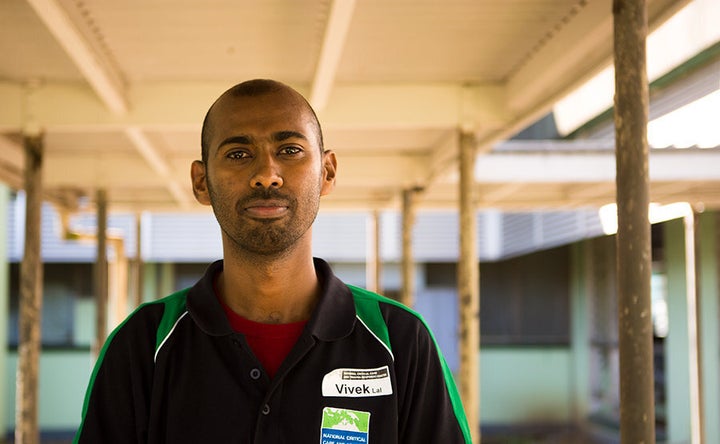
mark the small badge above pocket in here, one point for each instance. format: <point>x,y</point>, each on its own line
<point>357,382</point>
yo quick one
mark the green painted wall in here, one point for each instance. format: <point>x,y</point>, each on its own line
<point>63,378</point>
<point>519,386</point>
<point>525,385</point>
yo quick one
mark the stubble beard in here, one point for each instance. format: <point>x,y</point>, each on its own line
<point>264,238</point>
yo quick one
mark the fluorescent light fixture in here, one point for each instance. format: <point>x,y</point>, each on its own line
<point>695,124</point>
<point>688,32</point>
<point>656,213</point>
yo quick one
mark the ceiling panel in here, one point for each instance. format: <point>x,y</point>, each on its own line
<point>447,41</point>
<point>206,40</point>
<point>27,49</point>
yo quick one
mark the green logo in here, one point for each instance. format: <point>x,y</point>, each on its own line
<point>343,426</point>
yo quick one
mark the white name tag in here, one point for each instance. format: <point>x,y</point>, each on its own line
<point>357,382</point>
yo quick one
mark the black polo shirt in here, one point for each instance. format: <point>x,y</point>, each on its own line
<point>365,370</point>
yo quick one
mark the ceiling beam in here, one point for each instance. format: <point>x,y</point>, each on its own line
<point>557,67</point>
<point>498,194</point>
<point>12,163</point>
<point>594,166</point>
<point>105,81</point>
<point>341,14</point>
<point>158,105</point>
<point>410,105</point>
<point>146,149</point>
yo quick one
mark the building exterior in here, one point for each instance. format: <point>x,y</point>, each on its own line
<point>549,340</point>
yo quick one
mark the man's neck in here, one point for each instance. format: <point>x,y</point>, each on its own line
<point>281,290</point>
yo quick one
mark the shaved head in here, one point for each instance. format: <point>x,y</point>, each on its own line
<point>252,88</point>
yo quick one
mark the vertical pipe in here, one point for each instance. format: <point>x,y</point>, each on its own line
<point>408,264</point>
<point>101,272</point>
<point>4,296</point>
<point>372,264</point>
<point>708,254</point>
<point>118,282</point>
<point>469,288</point>
<point>138,261</point>
<point>31,285</point>
<point>378,253</point>
<point>637,414</point>
<point>691,293</point>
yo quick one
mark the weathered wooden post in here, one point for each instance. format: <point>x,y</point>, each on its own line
<point>469,288</point>
<point>101,272</point>
<point>637,409</point>
<point>31,287</point>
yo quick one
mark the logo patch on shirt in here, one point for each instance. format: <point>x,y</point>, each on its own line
<point>357,382</point>
<point>342,426</point>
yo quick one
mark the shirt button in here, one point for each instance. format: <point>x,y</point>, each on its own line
<point>266,409</point>
<point>255,373</point>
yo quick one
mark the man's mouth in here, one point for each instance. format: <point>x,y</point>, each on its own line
<point>266,209</point>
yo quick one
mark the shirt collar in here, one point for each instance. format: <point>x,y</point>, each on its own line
<point>334,315</point>
<point>204,307</point>
<point>332,319</point>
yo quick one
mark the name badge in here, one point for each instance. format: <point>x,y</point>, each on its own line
<point>357,382</point>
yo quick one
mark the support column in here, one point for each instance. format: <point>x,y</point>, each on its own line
<point>637,409</point>
<point>373,264</point>
<point>469,288</point>
<point>708,250</point>
<point>138,264</point>
<point>118,282</point>
<point>408,264</point>
<point>4,296</point>
<point>101,273</point>
<point>691,296</point>
<point>678,354</point>
<point>31,286</point>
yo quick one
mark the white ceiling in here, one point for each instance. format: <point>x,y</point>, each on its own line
<point>119,89</point>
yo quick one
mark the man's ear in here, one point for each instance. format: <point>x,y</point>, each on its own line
<point>198,174</point>
<point>329,171</point>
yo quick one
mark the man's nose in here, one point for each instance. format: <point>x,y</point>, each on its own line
<point>267,173</point>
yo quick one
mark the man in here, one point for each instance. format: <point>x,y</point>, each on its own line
<point>269,346</point>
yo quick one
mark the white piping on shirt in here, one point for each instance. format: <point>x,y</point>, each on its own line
<point>375,336</point>
<point>168,335</point>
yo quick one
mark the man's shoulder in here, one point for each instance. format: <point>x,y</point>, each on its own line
<point>171,306</point>
<point>166,312</point>
<point>157,316</point>
<point>386,317</point>
<point>364,297</point>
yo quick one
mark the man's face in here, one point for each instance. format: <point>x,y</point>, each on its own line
<point>265,173</point>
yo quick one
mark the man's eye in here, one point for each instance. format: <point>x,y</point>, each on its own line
<point>290,150</point>
<point>237,155</point>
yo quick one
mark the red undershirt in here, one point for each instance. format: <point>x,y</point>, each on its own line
<point>270,343</point>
